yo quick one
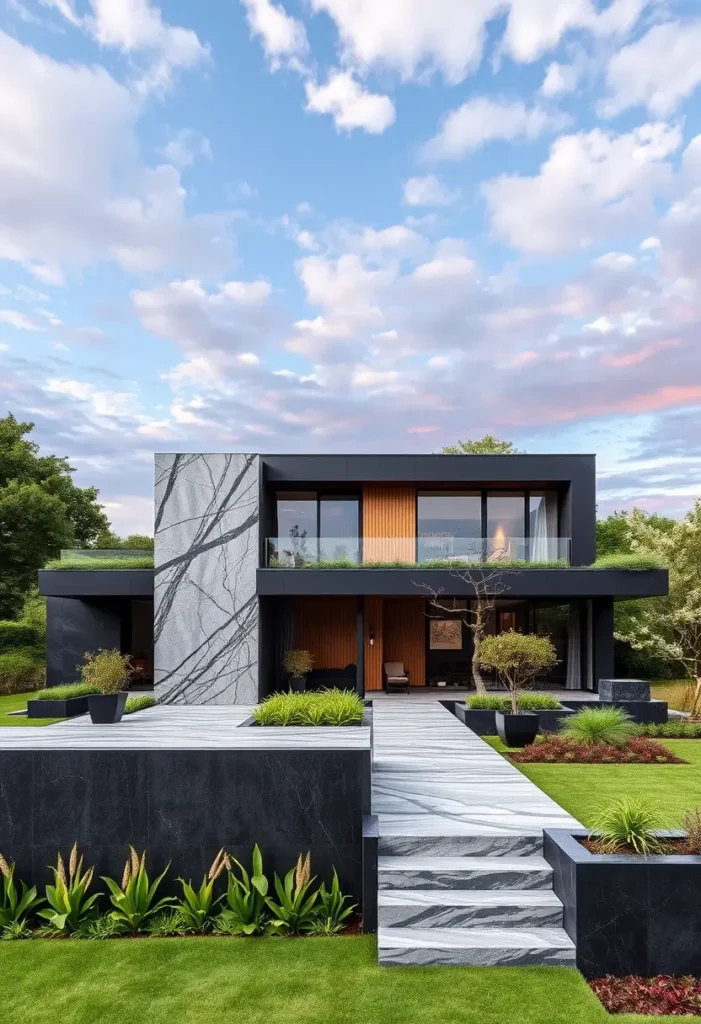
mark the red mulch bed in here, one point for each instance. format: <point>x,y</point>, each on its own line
<point>663,995</point>
<point>558,750</point>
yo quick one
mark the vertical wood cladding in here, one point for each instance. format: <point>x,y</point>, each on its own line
<point>389,524</point>
<point>404,636</point>
<point>373,654</point>
<point>326,627</point>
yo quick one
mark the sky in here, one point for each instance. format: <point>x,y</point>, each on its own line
<point>352,225</point>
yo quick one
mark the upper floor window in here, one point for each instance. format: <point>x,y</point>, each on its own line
<point>313,527</point>
<point>449,525</point>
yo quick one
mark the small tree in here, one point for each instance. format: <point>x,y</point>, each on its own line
<point>670,627</point>
<point>298,663</point>
<point>517,658</point>
<point>487,584</point>
<point>106,671</point>
<point>487,445</point>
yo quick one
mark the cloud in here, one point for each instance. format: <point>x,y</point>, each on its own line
<point>284,38</point>
<point>593,184</point>
<point>350,105</point>
<point>559,79</point>
<point>659,71</point>
<point>484,119</point>
<point>19,320</point>
<point>73,187</point>
<point>427,191</point>
<point>186,146</point>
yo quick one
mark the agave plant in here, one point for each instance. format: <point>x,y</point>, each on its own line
<point>15,906</point>
<point>70,907</point>
<point>246,912</point>
<point>331,911</point>
<point>197,906</point>
<point>134,901</point>
<point>295,908</point>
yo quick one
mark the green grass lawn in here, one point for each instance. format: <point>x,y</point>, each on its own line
<point>586,789</point>
<point>274,981</point>
<point>16,702</point>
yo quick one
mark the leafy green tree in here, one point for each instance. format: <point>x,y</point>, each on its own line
<point>517,658</point>
<point>106,539</point>
<point>487,445</point>
<point>613,534</point>
<point>41,511</point>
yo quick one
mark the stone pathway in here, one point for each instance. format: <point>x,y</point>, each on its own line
<point>461,877</point>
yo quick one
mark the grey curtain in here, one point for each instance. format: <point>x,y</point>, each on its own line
<point>573,679</point>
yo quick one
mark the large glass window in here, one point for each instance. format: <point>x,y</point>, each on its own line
<point>338,529</point>
<point>312,527</point>
<point>449,526</point>
<point>506,525</point>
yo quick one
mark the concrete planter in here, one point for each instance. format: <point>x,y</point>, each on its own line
<point>627,915</point>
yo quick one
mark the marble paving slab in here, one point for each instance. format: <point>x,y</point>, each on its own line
<point>476,947</point>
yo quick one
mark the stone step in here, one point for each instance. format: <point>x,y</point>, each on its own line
<point>496,845</point>
<point>426,872</point>
<point>475,947</point>
<point>465,908</point>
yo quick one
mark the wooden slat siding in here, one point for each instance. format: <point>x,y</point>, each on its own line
<point>405,636</point>
<point>389,524</point>
<point>373,655</point>
<point>327,628</point>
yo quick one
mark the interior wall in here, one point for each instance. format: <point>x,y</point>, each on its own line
<point>389,524</point>
<point>326,627</point>
<point>405,636</point>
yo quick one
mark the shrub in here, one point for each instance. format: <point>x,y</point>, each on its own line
<point>134,901</point>
<point>197,905</point>
<point>70,908</point>
<point>526,702</point>
<point>136,562</point>
<point>21,671</point>
<point>629,824</point>
<point>106,671</point>
<point>324,707</point>
<point>560,750</point>
<point>632,561</point>
<point>298,663</point>
<point>677,729</point>
<point>517,658</point>
<point>64,692</point>
<point>106,927</point>
<point>246,912</point>
<point>134,704</point>
<point>611,726</point>
<point>167,922</point>
<point>332,910</point>
<point>692,826</point>
<point>15,905</point>
<point>295,910</point>
<point>659,996</point>
<point>14,635</point>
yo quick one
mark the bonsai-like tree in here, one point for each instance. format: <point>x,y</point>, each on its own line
<point>488,584</point>
<point>670,627</point>
<point>298,663</point>
<point>517,658</point>
<point>487,445</point>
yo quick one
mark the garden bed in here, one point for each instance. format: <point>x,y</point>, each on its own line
<point>558,750</point>
<point>663,995</point>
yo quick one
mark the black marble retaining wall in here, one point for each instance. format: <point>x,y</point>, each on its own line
<point>627,915</point>
<point>182,806</point>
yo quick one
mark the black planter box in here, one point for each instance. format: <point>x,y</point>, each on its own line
<point>627,915</point>
<point>57,708</point>
<point>516,730</point>
<point>107,708</point>
<point>553,720</point>
<point>481,722</point>
<point>644,712</point>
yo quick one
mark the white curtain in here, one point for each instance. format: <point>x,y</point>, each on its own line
<point>574,647</point>
<point>544,532</point>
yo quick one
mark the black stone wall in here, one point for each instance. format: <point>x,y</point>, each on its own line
<point>74,626</point>
<point>182,806</point>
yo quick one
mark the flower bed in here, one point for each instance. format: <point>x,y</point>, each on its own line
<point>558,750</point>
<point>657,996</point>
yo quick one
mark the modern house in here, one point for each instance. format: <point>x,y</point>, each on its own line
<point>362,560</point>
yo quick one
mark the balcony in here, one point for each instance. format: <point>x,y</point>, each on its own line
<point>408,552</point>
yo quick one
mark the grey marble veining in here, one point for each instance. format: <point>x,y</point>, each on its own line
<point>422,872</point>
<point>476,947</point>
<point>460,846</point>
<point>206,556</point>
<point>458,908</point>
<point>178,727</point>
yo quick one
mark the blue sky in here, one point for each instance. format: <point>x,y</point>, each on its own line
<point>338,225</point>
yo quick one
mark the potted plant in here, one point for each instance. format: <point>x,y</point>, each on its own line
<point>517,658</point>
<point>297,665</point>
<point>106,672</point>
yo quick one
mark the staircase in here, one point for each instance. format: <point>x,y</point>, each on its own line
<point>474,901</point>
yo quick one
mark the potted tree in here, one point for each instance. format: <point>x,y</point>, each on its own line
<point>107,672</point>
<point>517,658</point>
<point>297,665</point>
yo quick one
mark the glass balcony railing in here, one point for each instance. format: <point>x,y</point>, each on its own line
<point>437,552</point>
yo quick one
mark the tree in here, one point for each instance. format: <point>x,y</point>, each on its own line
<point>487,445</point>
<point>518,658</point>
<point>613,533</point>
<point>670,627</point>
<point>106,539</point>
<point>41,511</point>
<point>487,584</point>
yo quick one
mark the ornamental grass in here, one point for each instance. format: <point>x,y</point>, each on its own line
<point>322,707</point>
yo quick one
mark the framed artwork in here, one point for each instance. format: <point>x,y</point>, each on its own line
<point>445,635</point>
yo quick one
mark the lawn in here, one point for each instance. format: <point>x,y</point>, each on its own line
<point>17,702</point>
<point>586,789</point>
<point>305,981</point>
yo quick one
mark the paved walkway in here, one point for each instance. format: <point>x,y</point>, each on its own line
<point>461,876</point>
